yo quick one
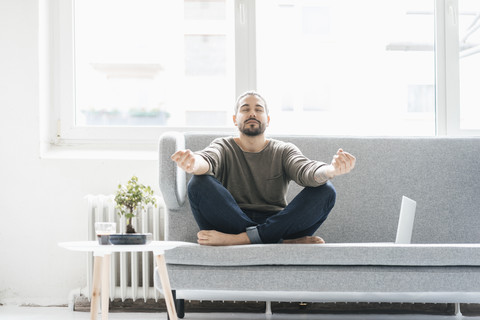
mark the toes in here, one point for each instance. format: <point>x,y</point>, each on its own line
<point>202,236</point>
<point>318,240</point>
<point>203,233</point>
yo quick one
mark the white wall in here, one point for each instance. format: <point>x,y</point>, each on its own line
<point>42,200</point>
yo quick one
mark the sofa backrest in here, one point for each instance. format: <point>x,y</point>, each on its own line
<point>441,174</point>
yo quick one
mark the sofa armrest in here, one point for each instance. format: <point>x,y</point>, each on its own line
<point>172,179</point>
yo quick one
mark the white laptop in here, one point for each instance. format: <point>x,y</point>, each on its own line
<point>405,221</point>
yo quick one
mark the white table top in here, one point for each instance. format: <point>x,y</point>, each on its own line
<point>157,247</point>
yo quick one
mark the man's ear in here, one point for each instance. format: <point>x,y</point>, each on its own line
<point>268,120</point>
<point>234,120</point>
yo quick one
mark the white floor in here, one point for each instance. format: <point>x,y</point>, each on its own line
<point>59,313</point>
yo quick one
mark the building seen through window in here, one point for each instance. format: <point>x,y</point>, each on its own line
<point>329,67</point>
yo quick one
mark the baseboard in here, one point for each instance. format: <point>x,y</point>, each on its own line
<point>194,306</point>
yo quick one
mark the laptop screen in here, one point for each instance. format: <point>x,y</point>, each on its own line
<point>405,221</point>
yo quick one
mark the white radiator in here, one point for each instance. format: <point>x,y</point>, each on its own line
<point>131,274</point>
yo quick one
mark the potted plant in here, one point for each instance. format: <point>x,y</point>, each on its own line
<point>130,197</point>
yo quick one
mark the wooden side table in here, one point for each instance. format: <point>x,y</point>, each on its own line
<point>101,270</point>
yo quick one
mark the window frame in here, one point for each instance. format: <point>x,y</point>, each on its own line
<point>61,49</point>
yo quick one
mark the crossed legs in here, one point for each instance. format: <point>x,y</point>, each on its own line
<point>222,222</point>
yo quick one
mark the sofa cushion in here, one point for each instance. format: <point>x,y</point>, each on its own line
<point>348,254</point>
<point>380,279</point>
<point>440,173</point>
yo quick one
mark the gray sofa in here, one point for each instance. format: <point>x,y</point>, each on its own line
<point>360,262</point>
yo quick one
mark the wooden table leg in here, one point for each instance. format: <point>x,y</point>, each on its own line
<point>105,286</point>
<point>97,275</point>
<point>167,290</point>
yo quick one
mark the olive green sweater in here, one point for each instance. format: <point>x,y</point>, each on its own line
<point>259,180</point>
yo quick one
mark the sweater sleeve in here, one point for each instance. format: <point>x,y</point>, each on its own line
<point>299,168</point>
<point>213,155</point>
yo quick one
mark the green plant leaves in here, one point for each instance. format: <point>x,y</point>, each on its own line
<point>132,196</point>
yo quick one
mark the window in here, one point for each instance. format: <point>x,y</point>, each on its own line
<point>421,98</point>
<point>469,61</point>
<point>153,63</point>
<point>348,69</point>
<point>139,67</point>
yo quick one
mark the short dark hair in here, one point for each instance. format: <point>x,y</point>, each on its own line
<point>250,93</point>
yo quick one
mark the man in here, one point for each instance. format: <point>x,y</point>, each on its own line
<point>237,192</point>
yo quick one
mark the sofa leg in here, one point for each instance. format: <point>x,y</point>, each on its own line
<point>179,306</point>
<point>268,308</point>
<point>458,312</point>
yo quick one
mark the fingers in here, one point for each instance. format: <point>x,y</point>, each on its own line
<point>185,159</point>
<point>347,158</point>
<point>343,162</point>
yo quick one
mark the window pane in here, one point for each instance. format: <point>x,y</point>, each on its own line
<point>153,63</point>
<point>205,55</point>
<point>348,66</point>
<point>205,10</point>
<point>469,36</point>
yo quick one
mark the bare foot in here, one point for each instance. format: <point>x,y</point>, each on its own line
<point>216,238</point>
<point>307,239</point>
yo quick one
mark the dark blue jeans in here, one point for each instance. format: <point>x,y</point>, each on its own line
<point>214,208</point>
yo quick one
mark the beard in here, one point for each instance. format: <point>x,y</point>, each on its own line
<point>252,131</point>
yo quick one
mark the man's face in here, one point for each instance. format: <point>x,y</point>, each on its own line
<point>251,117</point>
